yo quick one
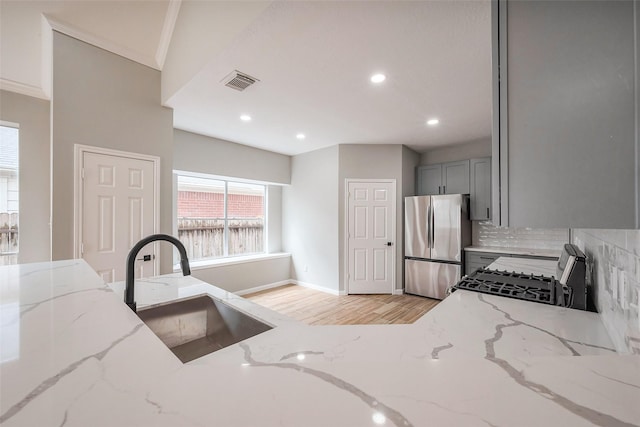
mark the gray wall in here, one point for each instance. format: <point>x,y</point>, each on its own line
<point>274,218</point>
<point>376,162</point>
<point>314,206</point>
<point>571,111</point>
<point>243,276</point>
<point>203,154</point>
<point>104,100</point>
<point>615,255</point>
<point>466,150</point>
<point>199,153</point>
<point>410,159</point>
<point>310,218</point>
<point>32,115</point>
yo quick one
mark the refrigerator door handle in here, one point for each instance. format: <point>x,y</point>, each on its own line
<point>429,226</point>
<point>432,219</point>
<point>429,230</point>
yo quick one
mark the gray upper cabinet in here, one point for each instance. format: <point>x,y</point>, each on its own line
<point>565,118</point>
<point>445,178</point>
<point>455,177</point>
<point>429,180</point>
<point>480,191</point>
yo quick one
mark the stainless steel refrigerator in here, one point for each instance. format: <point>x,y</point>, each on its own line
<point>436,231</point>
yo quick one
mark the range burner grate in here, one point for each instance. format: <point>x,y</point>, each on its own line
<point>546,290</point>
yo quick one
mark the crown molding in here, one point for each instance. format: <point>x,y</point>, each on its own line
<point>167,31</point>
<point>46,55</point>
<point>87,37</point>
<point>22,89</point>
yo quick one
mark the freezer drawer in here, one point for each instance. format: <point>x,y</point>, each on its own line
<point>429,279</point>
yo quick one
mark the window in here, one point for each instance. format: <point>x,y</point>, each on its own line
<point>219,218</point>
<point>9,199</point>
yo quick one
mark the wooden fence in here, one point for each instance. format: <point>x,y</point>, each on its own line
<point>8,238</point>
<point>204,237</point>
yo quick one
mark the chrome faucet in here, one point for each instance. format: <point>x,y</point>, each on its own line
<point>129,297</point>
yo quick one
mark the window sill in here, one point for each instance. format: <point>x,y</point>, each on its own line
<point>201,265</point>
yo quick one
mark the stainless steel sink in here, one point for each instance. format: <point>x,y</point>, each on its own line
<point>197,326</point>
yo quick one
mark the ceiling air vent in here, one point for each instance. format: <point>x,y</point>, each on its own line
<point>239,81</point>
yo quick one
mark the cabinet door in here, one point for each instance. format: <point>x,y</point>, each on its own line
<point>429,180</point>
<point>480,191</point>
<point>455,177</point>
<point>476,260</point>
<point>566,141</point>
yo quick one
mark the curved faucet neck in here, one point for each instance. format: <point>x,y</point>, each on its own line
<point>129,290</point>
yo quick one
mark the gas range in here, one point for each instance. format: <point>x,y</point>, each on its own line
<point>569,290</point>
<point>546,290</point>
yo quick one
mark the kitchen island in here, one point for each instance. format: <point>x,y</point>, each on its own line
<point>74,354</point>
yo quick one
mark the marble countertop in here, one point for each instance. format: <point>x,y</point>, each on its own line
<point>515,251</point>
<point>72,354</point>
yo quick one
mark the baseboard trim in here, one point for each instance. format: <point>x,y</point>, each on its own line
<point>317,287</point>
<point>263,287</point>
<point>303,284</point>
<point>287,282</point>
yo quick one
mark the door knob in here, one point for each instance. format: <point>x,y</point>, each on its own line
<point>389,243</point>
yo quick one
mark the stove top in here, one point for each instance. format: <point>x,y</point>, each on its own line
<point>542,289</point>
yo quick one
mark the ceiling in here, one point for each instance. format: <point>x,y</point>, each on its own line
<point>134,29</point>
<point>314,61</point>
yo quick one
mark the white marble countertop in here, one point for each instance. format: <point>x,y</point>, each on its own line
<point>538,267</point>
<point>72,354</point>
<point>515,251</point>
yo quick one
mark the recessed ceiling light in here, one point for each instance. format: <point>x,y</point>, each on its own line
<point>245,118</point>
<point>378,78</point>
<point>379,418</point>
<point>301,136</point>
<point>433,122</point>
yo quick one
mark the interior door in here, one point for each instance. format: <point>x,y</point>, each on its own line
<point>371,249</point>
<point>118,209</point>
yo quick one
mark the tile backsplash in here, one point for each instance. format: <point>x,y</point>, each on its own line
<point>614,260</point>
<point>484,233</point>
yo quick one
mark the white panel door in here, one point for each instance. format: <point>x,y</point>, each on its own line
<point>117,211</point>
<point>370,246</point>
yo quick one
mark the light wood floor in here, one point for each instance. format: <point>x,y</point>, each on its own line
<point>320,308</point>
